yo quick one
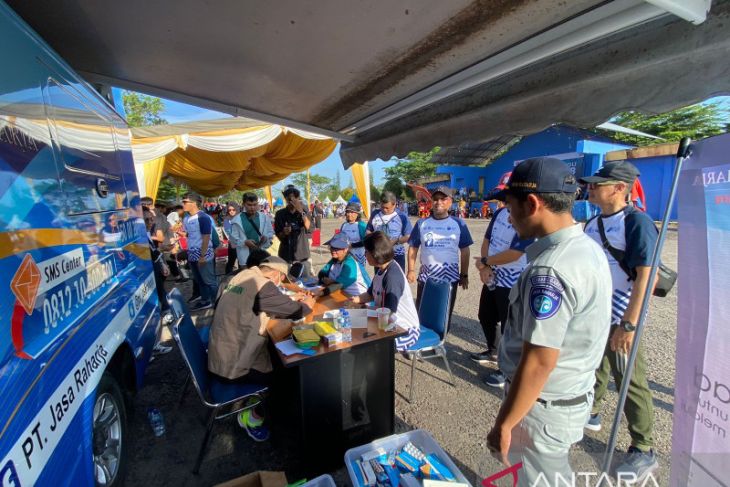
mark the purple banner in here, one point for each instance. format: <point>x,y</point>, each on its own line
<point>701,434</point>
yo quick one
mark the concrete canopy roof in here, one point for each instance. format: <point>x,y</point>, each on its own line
<point>393,76</point>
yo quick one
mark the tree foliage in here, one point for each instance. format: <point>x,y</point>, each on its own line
<point>347,193</point>
<point>415,165</point>
<point>395,186</point>
<point>143,110</point>
<point>695,121</point>
<point>318,183</point>
<point>171,190</point>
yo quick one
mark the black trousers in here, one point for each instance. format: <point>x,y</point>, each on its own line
<point>454,287</point>
<point>493,306</point>
<point>232,256</point>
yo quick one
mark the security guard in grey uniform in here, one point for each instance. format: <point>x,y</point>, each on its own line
<point>556,327</point>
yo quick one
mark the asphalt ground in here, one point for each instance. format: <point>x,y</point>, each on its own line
<point>459,417</point>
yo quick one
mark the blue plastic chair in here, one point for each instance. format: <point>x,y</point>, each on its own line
<point>222,398</point>
<point>178,308</point>
<point>433,314</point>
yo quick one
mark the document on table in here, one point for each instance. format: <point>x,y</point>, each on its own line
<point>359,318</point>
<point>288,347</point>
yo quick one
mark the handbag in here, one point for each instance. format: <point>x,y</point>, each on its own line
<point>666,277</point>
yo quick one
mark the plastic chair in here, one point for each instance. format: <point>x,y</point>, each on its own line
<point>433,314</point>
<point>178,307</point>
<point>222,398</point>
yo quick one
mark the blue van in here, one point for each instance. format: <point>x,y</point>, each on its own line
<point>78,310</point>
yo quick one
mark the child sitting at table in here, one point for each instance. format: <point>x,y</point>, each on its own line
<point>390,289</point>
<point>343,271</point>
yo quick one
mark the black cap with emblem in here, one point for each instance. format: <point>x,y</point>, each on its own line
<point>540,175</point>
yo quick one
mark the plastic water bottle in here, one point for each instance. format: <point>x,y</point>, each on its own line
<point>346,327</point>
<point>339,320</point>
<point>492,282</point>
<point>156,421</point>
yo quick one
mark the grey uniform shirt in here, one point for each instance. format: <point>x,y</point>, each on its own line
<point>562,300</point>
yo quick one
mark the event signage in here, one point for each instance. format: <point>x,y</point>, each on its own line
<point>701,434</point>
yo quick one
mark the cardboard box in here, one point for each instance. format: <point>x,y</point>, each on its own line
<point>257,479</point>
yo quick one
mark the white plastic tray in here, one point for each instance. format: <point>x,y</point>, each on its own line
<point>420,438</point>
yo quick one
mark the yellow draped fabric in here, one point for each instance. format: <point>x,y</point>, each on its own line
<point>269,196</point>
<point>361,177</point>
<point>152,175</point>
<point>266,158</point>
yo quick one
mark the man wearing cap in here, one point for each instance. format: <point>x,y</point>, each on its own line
<point>237,349</point>
<point>343,271</point>
<point>557,326</point>
<point>292,225</point>
<point>632,235</point>
<point>445,250</point>
<point>355,229</point>
<point>394,223</point>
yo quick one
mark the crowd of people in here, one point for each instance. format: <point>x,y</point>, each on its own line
<point>559,303</point>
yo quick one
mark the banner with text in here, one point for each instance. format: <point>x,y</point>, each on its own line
<point>701,435</point>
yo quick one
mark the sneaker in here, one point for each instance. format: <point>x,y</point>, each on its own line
<point>593,423</point>
<point>201,306</point>
<point>160,349</point>
<point>497,379</point>
<point>193,299</point>
<point>638,463</point>
<point>258,433</point>
<point>486,357</point>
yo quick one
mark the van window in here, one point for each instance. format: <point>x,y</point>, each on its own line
<point>86,148</point>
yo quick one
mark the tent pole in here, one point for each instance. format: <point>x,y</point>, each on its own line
<point>309,189</point>
<point>682,154</point>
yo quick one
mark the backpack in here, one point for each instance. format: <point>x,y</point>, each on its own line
<point>666,277</point>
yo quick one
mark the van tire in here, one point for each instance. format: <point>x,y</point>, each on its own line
<point>110,439</point>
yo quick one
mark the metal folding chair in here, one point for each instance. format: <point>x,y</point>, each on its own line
<point>222,398</point>
<point>433,314</point>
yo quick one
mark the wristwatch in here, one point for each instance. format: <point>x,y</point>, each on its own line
<point>484,260</point>
<point>627,325</point>
<point>464,276</point>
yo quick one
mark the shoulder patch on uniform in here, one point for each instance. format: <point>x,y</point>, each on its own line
<point>546,296</point>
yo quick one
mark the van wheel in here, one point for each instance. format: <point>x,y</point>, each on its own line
<point>109,433</point>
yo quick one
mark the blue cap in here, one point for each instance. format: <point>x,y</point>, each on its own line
<point>540,175</point>
<point>339,241</point>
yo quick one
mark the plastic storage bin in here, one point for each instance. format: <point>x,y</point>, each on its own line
<point>420,438</point>
<point>321,481</point>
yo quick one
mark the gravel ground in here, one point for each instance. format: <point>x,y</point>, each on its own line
<point>459,417</point>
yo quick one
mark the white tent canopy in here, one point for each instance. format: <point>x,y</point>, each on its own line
<point>327,200</point>
<point>340,200</point>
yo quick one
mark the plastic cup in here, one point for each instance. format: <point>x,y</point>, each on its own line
<point>383,318</point>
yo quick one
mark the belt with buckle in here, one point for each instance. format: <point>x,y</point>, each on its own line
<point>564,402</point>
<point>560,402</point>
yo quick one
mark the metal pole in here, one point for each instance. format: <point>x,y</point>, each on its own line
<point>682,153</point>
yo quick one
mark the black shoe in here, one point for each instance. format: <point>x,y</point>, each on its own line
<point>193,299</point>
<point>485,357</point>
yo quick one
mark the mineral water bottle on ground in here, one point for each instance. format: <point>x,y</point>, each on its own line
<point>156,421</point>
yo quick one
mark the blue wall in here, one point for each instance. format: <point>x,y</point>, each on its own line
<point>558,139</point>
<point>656,178</point>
